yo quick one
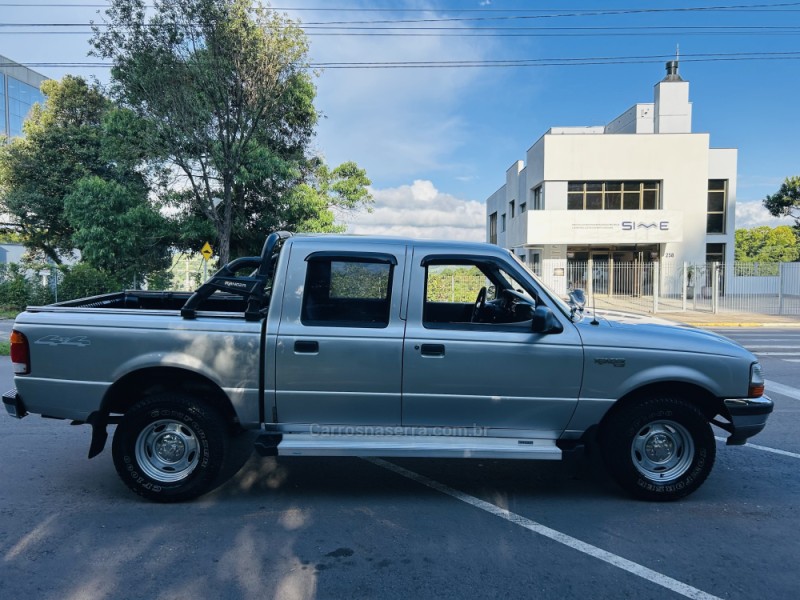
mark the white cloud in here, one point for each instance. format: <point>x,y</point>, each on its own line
<point>753,214</point>
<point>420,211</point>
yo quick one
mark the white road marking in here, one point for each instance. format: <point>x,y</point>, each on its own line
<point>790,359</point>
<point>773,347</point>
<point>622,563</point>
<point>765,448</point>
<point>783,390</point>
<point>775,353</point>
<point>746,341</point>
<point>751,335</point>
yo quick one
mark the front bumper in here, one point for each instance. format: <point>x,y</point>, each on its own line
<point>14,405</point>
<point>748,416</point>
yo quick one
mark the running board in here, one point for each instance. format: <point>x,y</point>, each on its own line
<point>420,446</point>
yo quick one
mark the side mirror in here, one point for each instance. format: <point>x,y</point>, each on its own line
<point>577,300</point>
<point>544,321</point>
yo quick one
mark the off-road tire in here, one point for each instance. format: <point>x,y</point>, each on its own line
<point>171,447</point>
<point>659,449</point>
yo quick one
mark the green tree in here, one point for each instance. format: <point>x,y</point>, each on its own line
<point>116,228</point>
<point>766,245</point>
<point>68,183</point>
<point>786,201</point>
<point>62,144</point>
<point>228,97</point>
<point>310,206</point>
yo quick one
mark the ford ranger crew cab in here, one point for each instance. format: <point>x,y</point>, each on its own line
<point>363,346</point>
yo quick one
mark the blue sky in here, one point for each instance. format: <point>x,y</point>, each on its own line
<point>437,141</point>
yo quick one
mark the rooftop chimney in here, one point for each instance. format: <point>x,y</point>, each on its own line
<point>672,71</point>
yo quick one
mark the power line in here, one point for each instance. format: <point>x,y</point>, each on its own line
<point>770,7</point>
<point>585,13</point>
<point>515,28</point>
<point>499,63</point>
<point>498,32</point>
<point>478,34</point>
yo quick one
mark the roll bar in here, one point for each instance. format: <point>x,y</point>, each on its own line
<point>252,288</point>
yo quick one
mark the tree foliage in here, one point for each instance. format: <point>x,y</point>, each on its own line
<point>68,185</point>
<point>116,228</point>
<point>62,144</point>
<point>786,201</point>
<point>766,245</point>
<point>84,280</point>
<point>228,97</point>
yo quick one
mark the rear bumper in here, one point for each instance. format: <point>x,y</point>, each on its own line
<point>14,404</point>
<point>748,417</point>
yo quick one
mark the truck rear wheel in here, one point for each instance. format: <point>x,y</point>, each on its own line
<point>170,447</point>
<point>659,449</point>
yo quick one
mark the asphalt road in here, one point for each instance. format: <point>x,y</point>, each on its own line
<point>351,528</point>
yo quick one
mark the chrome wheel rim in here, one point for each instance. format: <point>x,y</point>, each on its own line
<point>662,451</point>
<point>167,451</point>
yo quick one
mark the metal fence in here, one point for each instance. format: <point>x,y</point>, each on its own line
<point>652,287</point>
<point>765,288</point>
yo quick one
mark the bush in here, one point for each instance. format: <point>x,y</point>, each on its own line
<point>19,289</point>
<point>83,280</point>
<point>160,280</point>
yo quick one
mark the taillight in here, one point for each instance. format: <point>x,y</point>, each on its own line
<point>20,354</point>
<point>756,387</point>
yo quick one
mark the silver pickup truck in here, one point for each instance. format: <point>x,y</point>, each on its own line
<point>359,346</point>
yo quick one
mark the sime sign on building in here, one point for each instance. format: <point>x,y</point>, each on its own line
<point>618,227</point>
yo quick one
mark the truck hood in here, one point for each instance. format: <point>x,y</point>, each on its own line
<point>628,330</point>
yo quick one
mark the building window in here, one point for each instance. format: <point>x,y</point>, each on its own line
<point>3,105</point>
<point>613,195</point>
<point>493,228</point>
<point>502,222</point>
<point>717,200</point>
<point>715,253</point>
<point>511,208</point>
<point>21,97</point>
<point>523,207</point>
<point>536,262</point>
<point>538,198</point>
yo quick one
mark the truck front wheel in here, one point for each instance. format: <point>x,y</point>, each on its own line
<point>659,449</point>
<point>170,447</point>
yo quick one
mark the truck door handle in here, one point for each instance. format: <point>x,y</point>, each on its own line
<point>432,349</point>
<point>306,347</point>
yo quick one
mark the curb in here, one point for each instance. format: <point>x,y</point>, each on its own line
<point>737,324</point>
<point>745,325</point>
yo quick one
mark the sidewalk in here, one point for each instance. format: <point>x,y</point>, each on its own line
<point>697,318</point>
<point>729,319</point>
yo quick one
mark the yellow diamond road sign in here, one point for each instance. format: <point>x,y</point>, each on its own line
<point>206,251</point>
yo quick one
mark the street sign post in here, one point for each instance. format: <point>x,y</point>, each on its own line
<point>207,253</point>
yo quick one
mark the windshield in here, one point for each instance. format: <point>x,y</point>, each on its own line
<point>563,306</point>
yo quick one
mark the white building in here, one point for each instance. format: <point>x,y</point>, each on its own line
<point>643,188</point>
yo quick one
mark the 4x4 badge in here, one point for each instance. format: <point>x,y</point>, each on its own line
<point>57,340</point>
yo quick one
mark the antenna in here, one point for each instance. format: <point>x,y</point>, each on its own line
<point>677,52</point>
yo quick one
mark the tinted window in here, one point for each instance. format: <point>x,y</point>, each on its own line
<point>347,293</point>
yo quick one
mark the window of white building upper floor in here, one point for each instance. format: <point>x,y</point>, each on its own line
<point>613,195</point>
